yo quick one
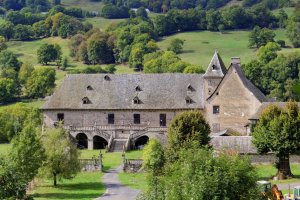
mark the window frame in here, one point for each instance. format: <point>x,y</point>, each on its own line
<point>216,109</point>
<point>60,117</point>
<point>137,118</point>
<point>163,119</point>
<point>110,118</point>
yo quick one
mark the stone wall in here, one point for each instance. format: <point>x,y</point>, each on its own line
<point>236,104</point>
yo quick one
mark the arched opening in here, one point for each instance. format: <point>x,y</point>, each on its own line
<point>99,142</point>
<point>82,141</point>
<point>141,142</point>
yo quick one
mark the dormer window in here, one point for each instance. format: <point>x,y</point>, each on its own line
<point>188,100</point>
<point>86,100</point>
<point>89,87</point>
<point>138,88</point>
<point>107,78</point>
<point>190,88</point>
<point>214,67</point>
<point>136,100</point>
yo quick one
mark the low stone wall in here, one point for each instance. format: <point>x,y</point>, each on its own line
<point>270,158</point>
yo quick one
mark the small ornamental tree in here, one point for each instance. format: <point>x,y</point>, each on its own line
<point>153,157</point>
<point>278,131</point>
<point>185,129</point>
<point>176,45</point>
<point>61,155</point>
<point>49,53</point>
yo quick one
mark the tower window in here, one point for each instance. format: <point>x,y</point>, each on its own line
<point>86,100</point>
<point>60,116</point>
<point>111,118</point>
<point>136,118</point>
<point>214,67</point>
<point>216,110</point>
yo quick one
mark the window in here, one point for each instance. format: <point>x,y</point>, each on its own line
<point>111,118</point>
<point>138,88</point>
<point>214,67</point>
<point>136,118</point>
<point>136,100</point>
<point>162,119</point>
<point>60,116</point>
<point>86,100</point>
<point>89,87</point>
<point>216,109</point>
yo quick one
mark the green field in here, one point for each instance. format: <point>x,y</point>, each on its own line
<point>134,180</point>
<point>199,46</point>
<point>84,4</point>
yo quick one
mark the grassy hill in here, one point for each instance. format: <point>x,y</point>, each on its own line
<point>200,45</point>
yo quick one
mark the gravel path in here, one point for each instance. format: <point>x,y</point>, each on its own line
<point>114,189</point>
<point>285,186</point>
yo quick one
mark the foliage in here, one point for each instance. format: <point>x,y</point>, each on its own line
<point>23,32</point>
<point>9,60</point>
<point>40,83</point>
<point>163,62</point>
<point>49,53</point>
<point>14,118</point>
<point>293,28</point>
<point>268,52</point>
<point>114,12</point>
<point>176,45</point>
<point>3,44</point>
<point>6,29</point>
<point>276,78</point>
<point>193,69</point>
<point>61,158</point>
<point>277,130</point>
<point>260,37</point>
<point>153,157</point>
<point>185,129</point>
<point>199,174</point>
<point>25,72</point>
<point>8,90</point>
<point>65,63</point>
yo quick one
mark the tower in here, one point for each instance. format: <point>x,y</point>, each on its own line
<point>214,74</point>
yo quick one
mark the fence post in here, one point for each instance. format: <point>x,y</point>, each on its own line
<point>124,161</point>
<point>100,162</point>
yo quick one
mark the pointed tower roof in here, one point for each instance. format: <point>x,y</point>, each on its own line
<point>216,67</point>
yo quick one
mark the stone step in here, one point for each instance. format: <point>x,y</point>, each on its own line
<point>117,145</point>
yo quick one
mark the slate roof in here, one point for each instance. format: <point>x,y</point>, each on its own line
<point>216,67</point>
<point>252,88</point>
<point>155,91</point>
<point>241,144</point>
<point>264,105</point>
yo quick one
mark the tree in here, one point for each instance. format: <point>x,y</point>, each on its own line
<point>176,45</point>
<point>268,52</point>
<point>9,60</point>
<point>65,63</point>
<point>186,128</point>
<point>141,12</point>
<point>40,83</point>
<point>293,28</point>
<point>153,157</point>
<point>25,72</point>
<point>260,37</point>
<point>6,29</point>
<point>23,32</point>
<point>8,90</point>
<point>49,53</point>
<point>278,131</point>
<point>3,45</point>
<point>61,155</point>
<point>193,69</point>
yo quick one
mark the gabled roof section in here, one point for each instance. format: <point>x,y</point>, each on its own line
<point>252,88</point>
<point>159,91</point>
<point>216,67</point>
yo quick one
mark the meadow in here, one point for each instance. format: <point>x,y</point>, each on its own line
<point>199,46</point>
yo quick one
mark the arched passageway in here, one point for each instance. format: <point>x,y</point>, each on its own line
<point>82,141</point>
<point>141,142</point>
<point>99,142</point>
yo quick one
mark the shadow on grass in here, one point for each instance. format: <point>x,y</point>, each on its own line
<point>72,191</point>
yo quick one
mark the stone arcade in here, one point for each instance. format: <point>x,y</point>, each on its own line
<point>125,110</point>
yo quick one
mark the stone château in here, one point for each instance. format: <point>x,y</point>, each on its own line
<point>125,110</point>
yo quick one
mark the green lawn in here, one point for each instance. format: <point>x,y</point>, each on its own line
<point>199,46</point>
<point>134,180</point>
<point>85,186</point>
<point>102,23</point>
<point>84,4</point>
<point>266,172</point>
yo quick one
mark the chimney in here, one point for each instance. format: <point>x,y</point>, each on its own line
<point>235,60</point>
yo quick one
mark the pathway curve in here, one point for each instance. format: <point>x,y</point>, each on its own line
<point>114,189</point>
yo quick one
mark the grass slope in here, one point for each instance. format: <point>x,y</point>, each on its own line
<point>84,4</point>
<point>199,46</point>
<point>134,180</point>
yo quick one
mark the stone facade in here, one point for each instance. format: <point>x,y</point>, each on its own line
<point>127,110</point>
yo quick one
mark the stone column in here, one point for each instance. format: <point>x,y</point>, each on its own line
<point>90,144</point>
